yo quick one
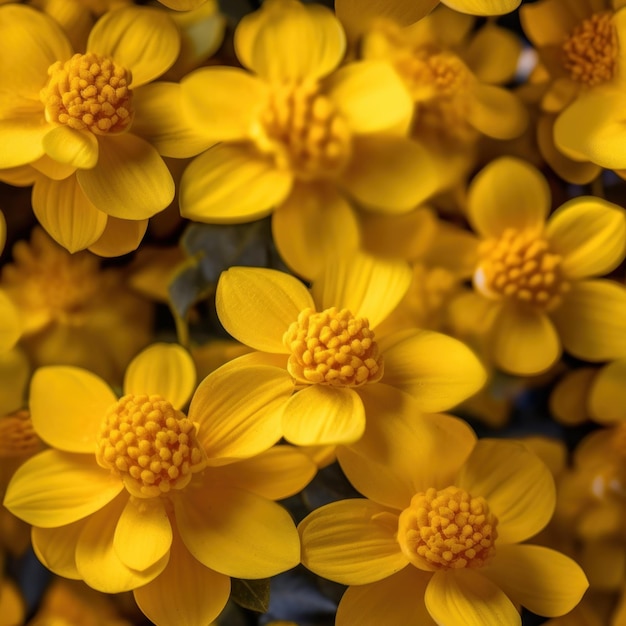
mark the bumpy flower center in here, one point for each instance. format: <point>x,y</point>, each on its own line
<point>447,529</point>
<point>17,436</point>
<point>89,92</point>
<point>590,52</point>
<point>303,131</point>
<point>519,266</point>
<point>151,445</point>
<point>332,348</point>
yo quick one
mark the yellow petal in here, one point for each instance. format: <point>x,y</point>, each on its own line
<point>517,485</point>
<point>322,415</point>
<point>465,597</point>
<point>74,147</point>
<point>352,542</point>
<point>222,102</point>
<point>607,397</point>
<point>389,173</point>
<point>143,534</point>
<point>15,370</point>
<point>141,39</point>
<point>368,286</point>
<point>286,40</point>
<point>568,400</point>
<point>237,533</point>
<point>437,370</point>
<point>230,184</point>
<point>483,7</point>
<point>55,548</point>
<point>57,488</point>
<point>130,181</point>
<point>496,112</point>
<point>166,369</point>
<point>257,306</point>
<point>280,472</point>
<point>44,165</point>
<point>540,579</point>
<point>370,96</point>
<point>68,216</point>
<point>591,320</point>
<point>590,234</point>
<point>508,193</point>
<point>185,593</point>
<point>10,326</point>
<point>22,140</point>
<point>239,410</point>
<point>96,558</point>
<point>523,341</point>
<point>489,67</point>
<point>119,237</point>
<point>67,406</point>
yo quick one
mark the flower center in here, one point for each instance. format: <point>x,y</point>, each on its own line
<point>89,92</point>
<point>590,52</point>
<point>447,529</point>
<point>17,436</point>
<point>303,131</point>
<point>332,348</point>
<point>150,444</point>
<point>519,266</point>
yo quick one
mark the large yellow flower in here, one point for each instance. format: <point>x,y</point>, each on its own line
<point>438,539</point>
<point>535,281</point>
<point>134,494</point>
<point>325,340</point>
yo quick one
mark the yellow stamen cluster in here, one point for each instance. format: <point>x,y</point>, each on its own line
<point>519,266</point>
<point>89,92</point>
<point>150,444</point>
<point>590,52</point>
<point>332,348</point>
<point>447,529</point>
<point>303,131</point>
<point>17,436</point>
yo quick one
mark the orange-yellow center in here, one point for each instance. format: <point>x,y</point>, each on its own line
<point>149,444</point>
<point>89,92</point>
<point>332,348</point>
<point>590,52</point>
<point>447,529</point>
<point>17,436</point>
<point>301,128</point>
<point>519,266</point>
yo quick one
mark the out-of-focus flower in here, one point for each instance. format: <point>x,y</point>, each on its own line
<point>325,339</point>
<point>535,281</point>
<point>439,538</point>
<point>135,495</point>
<point>72,312</point>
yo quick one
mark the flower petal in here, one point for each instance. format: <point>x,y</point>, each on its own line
<point>55,548</point>
<point>56,488</point>
<point>67,406</point>
<point>10,325</point>
<point>523,341</point>
<point>516,483</point>
<point>607,396</point>
<point>166,369</point>
<point>493,68</point>
<point>437,370</point>
<point>508,193</point>
<point>352,542</point>
<point>22,140</point>
<point>542,580</point>
<point>143,534</point>
<point>74,147</point>
<point>323,415</point>
<point>368,286</point>
<point>119,237</point>
<point>231,184</point>
<point>257,305</point>
<point>236,532</point>
<point>568,399</point>
<point>590,234</point>
<point>591,320</point>
<point>496,112</point>
<point>483,7</point>
<point>185,593</point>
<point>464,597</point>
<point>130,181</point>
<point>68,216</point>
<point>141,39</point>
<point>239,410</point>
<point>370,96</point>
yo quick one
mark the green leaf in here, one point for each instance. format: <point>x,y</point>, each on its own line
<point>251,594</point>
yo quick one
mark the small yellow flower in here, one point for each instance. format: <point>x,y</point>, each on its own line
<point>136,495</point>
<point>438,539</point>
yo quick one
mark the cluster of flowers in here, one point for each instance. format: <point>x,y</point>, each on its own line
<point>440,239</point>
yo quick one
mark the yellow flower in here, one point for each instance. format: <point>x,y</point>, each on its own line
<point>535,281</point>
<point>296,133</point>
<point>326,341</point>
<point>136,495</point>
<point>438,538</point>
